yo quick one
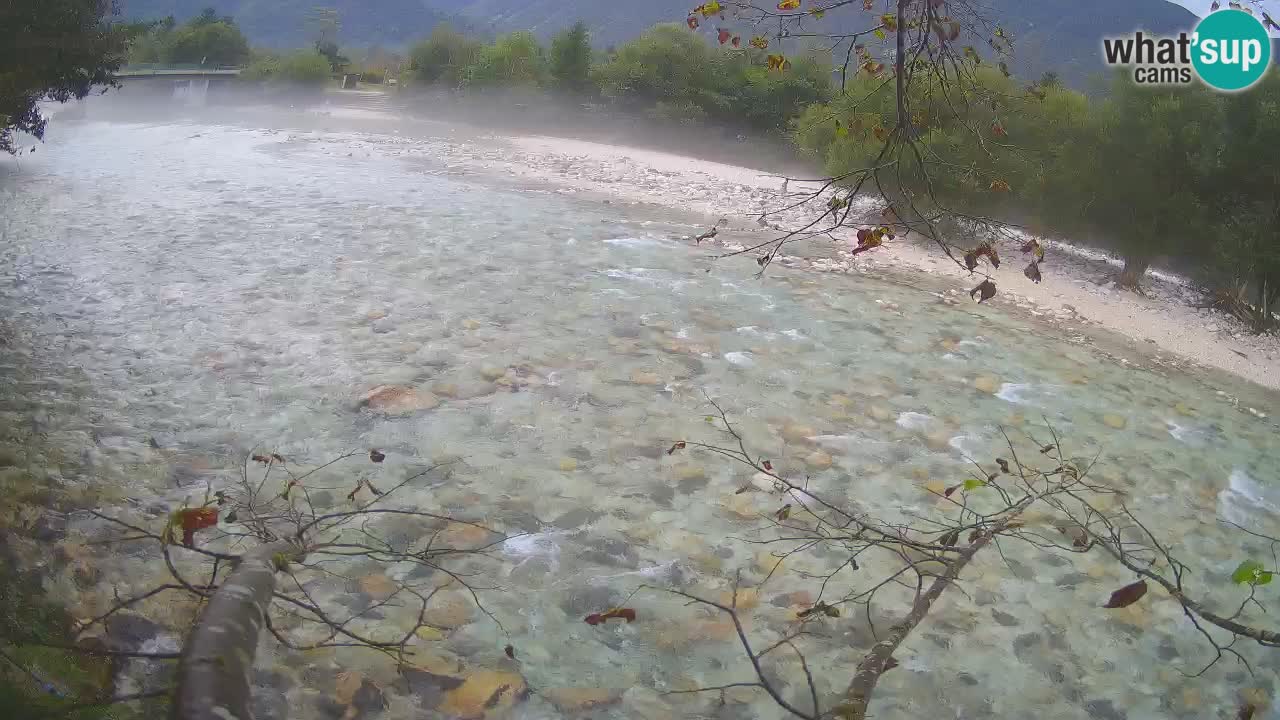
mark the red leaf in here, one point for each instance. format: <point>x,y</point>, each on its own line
<point>692,22</point>
<point>193,519</point>
<point>724,36</point>
<point>1127,595</point>
<point>737,40</point>
<point>264,459</point>
<point>611,614</point>
<point>767,465</point>
<point>948,491</point>
<point>678,446</point>
<point>377,456</point>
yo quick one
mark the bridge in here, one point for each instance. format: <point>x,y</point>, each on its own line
<point>188,84</point>
<point>143,70</point>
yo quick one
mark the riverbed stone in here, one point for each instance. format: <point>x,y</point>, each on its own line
<point>1117,422</point>
<point>987,384</point>
<point>644,377</point>
<point>449,611</point>
<point>797,433</point>
<point>581,699</point>
<point>818,460</point>
<point>397,400</point>
<point>484,693</point>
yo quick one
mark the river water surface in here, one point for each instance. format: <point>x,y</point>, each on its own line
<point>177,294</point>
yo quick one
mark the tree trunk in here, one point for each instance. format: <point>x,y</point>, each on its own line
<point>1135,267</point>
<point>213,675</point>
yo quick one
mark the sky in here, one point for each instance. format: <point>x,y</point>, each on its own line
<point>1201,7</point>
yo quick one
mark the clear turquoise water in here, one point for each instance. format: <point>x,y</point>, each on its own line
<point>219,289</point>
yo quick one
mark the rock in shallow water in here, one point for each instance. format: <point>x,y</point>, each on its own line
<point>397,400</point>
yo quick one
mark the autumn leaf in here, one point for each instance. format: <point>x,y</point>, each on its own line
<point>709,8</point>
<point>737,40</point>
<point>841,130</point>
<point>818,12</point>
<point>1004,464</point>
<point>973,484</point>
<point>377,456</point>
<point>692,22</point>
<point>510,651</point>
<point>677,446</point>
<point>880,132</point>
<point>614,613</point>
<point>1033,272</point>
<point>193,519</point>
<point>868,4</point>
<point>779,62</point>
<point>1127,595</point>
<point>767,465</point>
<point>987,290</point>
<point>949,491</point>
<point>998,130</point>
<point>723,36</point>
<point>789,4</point>
<point>890,22</point>
<point>880,34</point>
<point>999,186</point>
<point>760,42</point>
<point>783,513</point>
<point>264,459</point>
<point>820,607</point>
<point>1079,537</point>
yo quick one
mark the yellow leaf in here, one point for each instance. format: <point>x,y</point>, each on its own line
<point>880,33</point>
<point>760,42</point>
<point>789,4</point>
<point>709,8</point>
<point>841,130</point>
<point>818,12</point>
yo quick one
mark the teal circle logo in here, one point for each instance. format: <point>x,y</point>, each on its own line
<point>1231,50</point>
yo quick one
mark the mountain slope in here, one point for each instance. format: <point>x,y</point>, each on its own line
<point>1060,35</point>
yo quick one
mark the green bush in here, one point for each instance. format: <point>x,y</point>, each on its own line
<point>373,77</point>
<point>515,59</point>
<point>304,67</point>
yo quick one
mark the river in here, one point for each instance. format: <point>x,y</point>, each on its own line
<point>179,293</point>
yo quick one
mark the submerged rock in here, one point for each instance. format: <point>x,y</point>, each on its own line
<point>397,400</point>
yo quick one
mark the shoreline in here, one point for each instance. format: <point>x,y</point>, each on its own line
<point>1166,318</point>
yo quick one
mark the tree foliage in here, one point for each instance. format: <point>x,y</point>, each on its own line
<point>443,58</point>
<point>571,58</point>
<point>57,50</point>
<point>515,59</point>
<point>1139,172</point>
<point>207,39</point>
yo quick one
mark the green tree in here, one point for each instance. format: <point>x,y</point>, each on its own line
<point>1138,173</point>
<point>208,42</point>
<point>1246,257</point>
<point>52,50</point>
<point>515,59</point>
<point>571,58</point>
<point>441,59</point>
